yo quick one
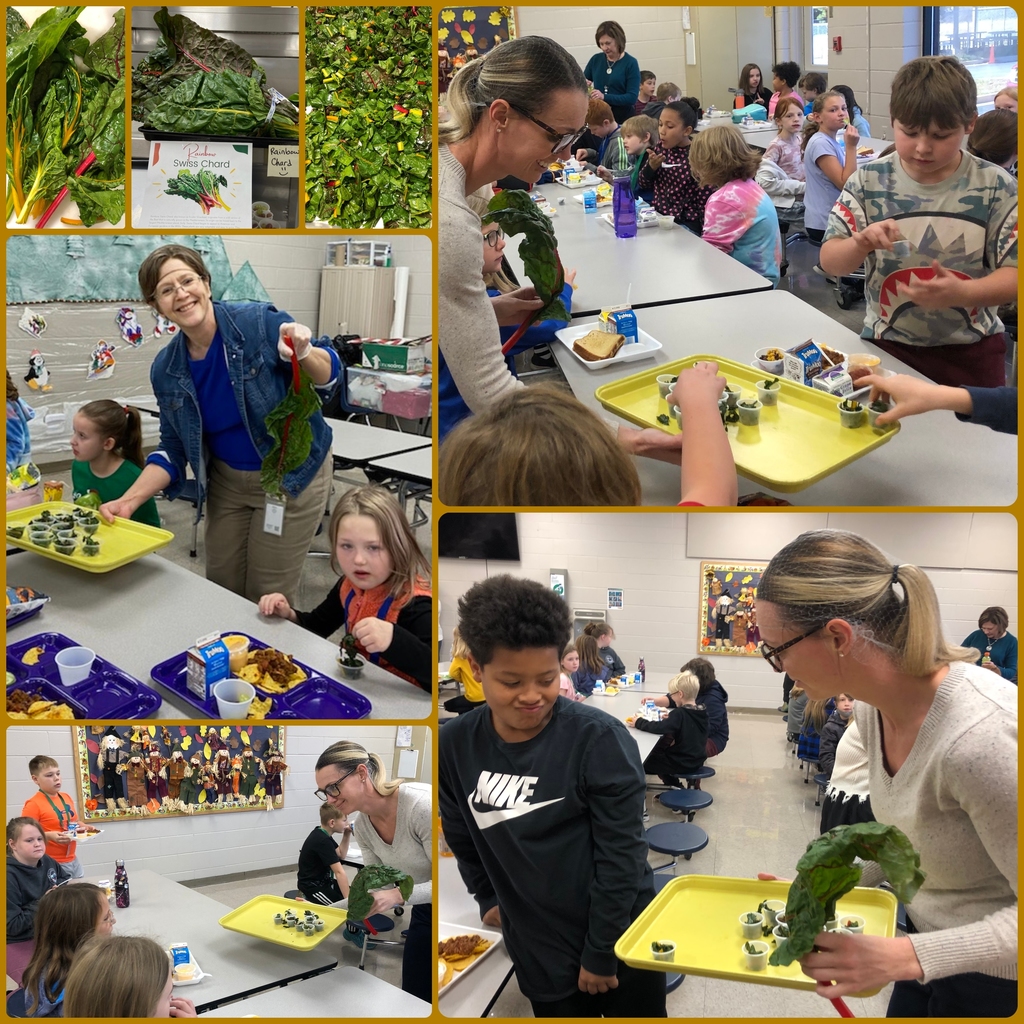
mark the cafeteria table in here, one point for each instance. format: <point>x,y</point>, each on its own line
<point>238,964</point>
<point>658,266</point>
<point>473,994</point>
<point>415,467</point>
<point>344,992</point>
<point>621,706</point>
<point>356,444</point>
<point>149,610</point>
<point>926,463</point>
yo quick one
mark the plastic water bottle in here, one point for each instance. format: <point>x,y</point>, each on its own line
<point>710,112</point>
<point>122,897</point>
<point>623,209</point>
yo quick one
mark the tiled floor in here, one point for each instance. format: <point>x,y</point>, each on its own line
<point>762,819</point>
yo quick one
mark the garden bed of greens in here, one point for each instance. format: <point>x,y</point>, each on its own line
<point>368,116</point>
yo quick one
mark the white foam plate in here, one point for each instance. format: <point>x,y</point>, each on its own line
<point>84,837</point>
<point>195,979</point>
<point>640,349</point>
<point>446,931</point>
<point>586,181</point>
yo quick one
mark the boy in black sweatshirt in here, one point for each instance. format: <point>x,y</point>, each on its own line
<point>684,733</point>
<point>542,804</point>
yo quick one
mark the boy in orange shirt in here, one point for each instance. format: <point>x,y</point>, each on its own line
<point>54,810</point>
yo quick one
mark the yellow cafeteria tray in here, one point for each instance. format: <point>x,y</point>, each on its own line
<point>256,918</point>
<point>120,543</point>
<point>797,443</point>
<point>700,914</point>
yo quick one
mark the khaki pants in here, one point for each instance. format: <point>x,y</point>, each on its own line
<point>240,556</point>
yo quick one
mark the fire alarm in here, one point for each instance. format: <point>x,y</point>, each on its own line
<point>837,44</point>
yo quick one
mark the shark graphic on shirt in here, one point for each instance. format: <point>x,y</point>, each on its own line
<point>506,796</point>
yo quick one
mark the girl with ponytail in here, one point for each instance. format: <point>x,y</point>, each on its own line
<point>940,734</point>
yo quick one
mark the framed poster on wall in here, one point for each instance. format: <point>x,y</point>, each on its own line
<point>465,33</point>
<point>728,608</point>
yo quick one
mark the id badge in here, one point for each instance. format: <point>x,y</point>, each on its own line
<point>273,516</point>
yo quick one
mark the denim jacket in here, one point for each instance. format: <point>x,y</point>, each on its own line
<point>260,380</point>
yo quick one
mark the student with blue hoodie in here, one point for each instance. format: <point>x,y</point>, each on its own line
<point>592,665</point>
<point>713,697</point>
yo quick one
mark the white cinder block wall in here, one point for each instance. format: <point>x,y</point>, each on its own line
<point>655,558</point>
<point>201,846</point>
<point>654,35</point>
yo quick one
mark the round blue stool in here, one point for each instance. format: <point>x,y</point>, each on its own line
<point>677,839</point>
<point>691,777</point>
<point>821,780</point>
<point>686,801</point>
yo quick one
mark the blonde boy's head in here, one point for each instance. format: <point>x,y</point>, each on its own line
<point>641,127</point>
<point>686,685</point>
<point>330,815</point>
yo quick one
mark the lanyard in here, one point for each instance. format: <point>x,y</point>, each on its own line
<point>60,816</point>
<point>382,612</point>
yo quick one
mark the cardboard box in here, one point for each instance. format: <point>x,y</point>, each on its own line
<point>206,665</point>
<point>623,320</point>
<point>803,363</point>
<point>834,382</point>
<point>395,355</point>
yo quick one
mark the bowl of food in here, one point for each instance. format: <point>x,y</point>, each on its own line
<point>65,545</point>
<point>770,360</point>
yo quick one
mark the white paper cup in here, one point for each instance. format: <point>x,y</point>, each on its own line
<point>756,961</point>
<point>774,908</point>
<point>752,929</point>
<point>74,664</point>
<point>852,923</point>
<point>233,697</point>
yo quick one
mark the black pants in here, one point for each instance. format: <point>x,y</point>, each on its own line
<point>787,685</point>
<point>815,235</point>
<point>325,893</point>
<point>462,704</point>
<point>640,994</point>
<point>960,995</point>
<point>418,961</point>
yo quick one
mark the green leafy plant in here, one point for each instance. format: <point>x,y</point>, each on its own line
<point>197,82</point>
<point>849,405</point>
<point>368,116</point>
<point>517,214</point>
<point>288,424</point>
<point>749,947</point>
<point>770,385</point>
<point>663,419</point>
<point>751,918</point>
<point>826,872</point>
<point>662,947</point>
<point>374,876</point>
<point>202,187</point>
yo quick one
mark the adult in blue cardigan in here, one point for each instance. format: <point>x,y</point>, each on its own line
<point>998,648</point>
<point>215,382</point>
<point>613,75</point>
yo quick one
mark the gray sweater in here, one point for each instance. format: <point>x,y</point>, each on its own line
<point>956,799</point>
<point>467,327</point>
<point>413,844</point>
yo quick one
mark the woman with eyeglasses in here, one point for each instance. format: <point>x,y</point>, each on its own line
<point>451,408</point>
<point>940,735</point>
<point>511,112</point>
<point>394,827</point>
<point>227,367</point>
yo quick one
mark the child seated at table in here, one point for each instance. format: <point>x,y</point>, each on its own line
<point>611,155</point>
<point>811,86</point>
<point>383,598</point>
<point>785,76</point>
<point>667,171</point>
<point>667,92</point>
<point>570,663</point>
<point>564,868</point>
<point>854,112</point>
<point>106,441</point>
<point>321,874</point>
<point>19,444</point>
<point>784,149</point>
<point>603,633</point>
<point>827,162</point>
<point>461,671</point>
<point>639,134</point>
<point>123,976</point>
<point>739,218</point>
<point>684,734</point>
<point>592,668</point>
<point>542,446</point>
<point>995,139</point>
<point>452,409</point>
<point>54,810</point>
<point>67,917</point>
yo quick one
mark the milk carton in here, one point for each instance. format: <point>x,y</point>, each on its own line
<point>206,664</point>
<point>803,363</point>
<point>621,320</point>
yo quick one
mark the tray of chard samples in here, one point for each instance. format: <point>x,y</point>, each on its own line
<point>107,692</point>
<point>307,694</point>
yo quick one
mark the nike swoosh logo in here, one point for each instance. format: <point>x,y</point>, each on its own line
<point>485,819</point>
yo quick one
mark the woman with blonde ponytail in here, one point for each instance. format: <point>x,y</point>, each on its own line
<point>941,740</point>
<point>394,827</point>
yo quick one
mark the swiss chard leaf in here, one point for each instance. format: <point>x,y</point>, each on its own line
<point>826,872</point>
<point>30,48</point>
<point>288,424</point>
<point>99,199</point>
<point>16,24</point>
<point>516,213</point>
<point>374,876</point>
<point>106,56</point>
<point>214,103</point>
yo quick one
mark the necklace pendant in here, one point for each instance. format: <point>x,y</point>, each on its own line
<point>608,70</point>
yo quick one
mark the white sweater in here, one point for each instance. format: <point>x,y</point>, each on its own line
<point>955,797</point>
<point>467,327</point>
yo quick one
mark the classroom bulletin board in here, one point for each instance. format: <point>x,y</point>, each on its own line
<point>728,608</point>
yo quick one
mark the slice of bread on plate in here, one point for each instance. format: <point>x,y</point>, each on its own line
<point>598,345</point>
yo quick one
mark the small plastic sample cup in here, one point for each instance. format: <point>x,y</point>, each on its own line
<point>233,698</point>
<point>74,664</point>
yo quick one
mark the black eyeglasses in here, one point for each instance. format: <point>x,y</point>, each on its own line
<point>332,789</point>
<point>771,654</point>
<point>491,238</point>
<point>562,139</point>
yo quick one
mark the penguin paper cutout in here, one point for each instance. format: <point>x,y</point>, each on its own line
<point>38,376</point>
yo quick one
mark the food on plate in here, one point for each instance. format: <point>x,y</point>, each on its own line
<point>865,151</point>
<point>15,532</point>
<point>22,705</point>
<point>457,953</point>
<point>271,670</point>
<point>458,945</point>
<point>32,655</point>
<point>834,358</point>
<point>260,707</point>
<point>663,419</point>
<point>773,355</point>
<point>445,973</point>
<point>858,371</point>
<point>184,972</point>
<point>598,345</point>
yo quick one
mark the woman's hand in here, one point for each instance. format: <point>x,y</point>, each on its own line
<point>596,94</point>
<point>385,899</point>
<point>596,983</point>
<point>300,336</point>
<point>512,308</point>
<point>375,635</point>
<point>277,604</point>
<point>492,918</point>
<point>655,160</point>
<point>181,1007</point>
<point>847,964</point>
<point>121,508</point>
